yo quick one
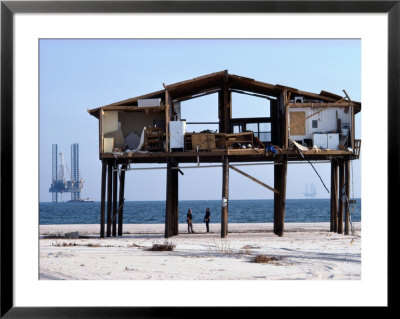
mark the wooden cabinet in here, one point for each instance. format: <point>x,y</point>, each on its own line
<point>209,141</point>
<point>153,139</point>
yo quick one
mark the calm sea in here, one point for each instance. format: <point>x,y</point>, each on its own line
<point>153,212</point>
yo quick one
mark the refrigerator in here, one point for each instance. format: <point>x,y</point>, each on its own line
<point>177,131</point>
<point>320,140</point>
<point>333,141</point>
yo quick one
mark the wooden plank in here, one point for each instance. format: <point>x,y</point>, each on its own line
<point>225,196</point>
<point>254,179</point>
<point>134,108</point>
<point>328,104</point>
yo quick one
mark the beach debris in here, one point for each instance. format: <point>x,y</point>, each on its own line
<point>133,245</point>
<point>166,246</point>
<point>93,245</point>
<point>263,259</point>
<point>72,235</point>
<point>250,247</point>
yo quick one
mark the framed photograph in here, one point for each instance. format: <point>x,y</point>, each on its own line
<point>34,32</point>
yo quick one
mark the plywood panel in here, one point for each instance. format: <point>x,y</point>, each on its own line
<point>110,121</point>
<point>298,118</point>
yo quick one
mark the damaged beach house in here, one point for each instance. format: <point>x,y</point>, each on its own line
<point>297,126</point>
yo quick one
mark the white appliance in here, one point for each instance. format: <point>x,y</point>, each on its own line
<point>177,131</point>
<point>333,141</point>
<point>149,102</point>
<point>320,140</point>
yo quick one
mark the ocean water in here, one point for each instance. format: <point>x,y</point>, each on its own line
<point>153,212</point>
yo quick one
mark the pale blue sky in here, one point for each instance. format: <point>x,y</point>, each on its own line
<point>76,75</point>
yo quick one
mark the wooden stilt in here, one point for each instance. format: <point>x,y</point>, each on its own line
<point>175,197</point>
<point>169,201</point>
<point>341,195</point>
<point>347,198</point>
<point>225,197</point>
<point>280,172</point>
<point>109,197</point>
<point>103,197</point>
<point>334,196</point>
<point>121,199</point>
<point>115,198</point>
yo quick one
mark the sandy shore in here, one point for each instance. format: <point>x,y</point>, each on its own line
<point>306,251</point>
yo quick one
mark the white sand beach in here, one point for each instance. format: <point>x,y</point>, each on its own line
<point>307,251</point>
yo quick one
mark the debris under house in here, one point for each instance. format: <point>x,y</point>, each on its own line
<point>299,126</point>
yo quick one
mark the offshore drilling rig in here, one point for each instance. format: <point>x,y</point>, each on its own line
<point>59,183</point>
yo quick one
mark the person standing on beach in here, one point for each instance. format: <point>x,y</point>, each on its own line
<point>189,221</point>
<point>207,219</point>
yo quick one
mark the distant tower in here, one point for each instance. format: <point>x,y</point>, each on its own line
<point>310,193</point>
<point>75,170</point>
<point>54,169</point>
<point>59,183</point>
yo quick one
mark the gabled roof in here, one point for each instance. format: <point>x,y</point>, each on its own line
<point>212,82</point>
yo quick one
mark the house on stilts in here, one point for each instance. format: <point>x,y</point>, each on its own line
<point>299,126</point>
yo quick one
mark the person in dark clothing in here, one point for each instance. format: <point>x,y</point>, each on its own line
<point>207,219</point>
<point>189,221</point>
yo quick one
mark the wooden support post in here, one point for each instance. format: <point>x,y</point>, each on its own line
<point>225,197</point>
<point>109,197</point>
<point>121,199</point>
<point>175,198</point>
<point>280,172</point>
<point>103,197</point>
<point>347,198</point>
<point>341,197</point>
<point>334,196</point>
<point>224,109</point>
<point>115,192</point>
<point>168,107</point>
<point>169,201</point>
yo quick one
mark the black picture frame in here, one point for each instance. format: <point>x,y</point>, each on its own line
<point>9,8</point>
